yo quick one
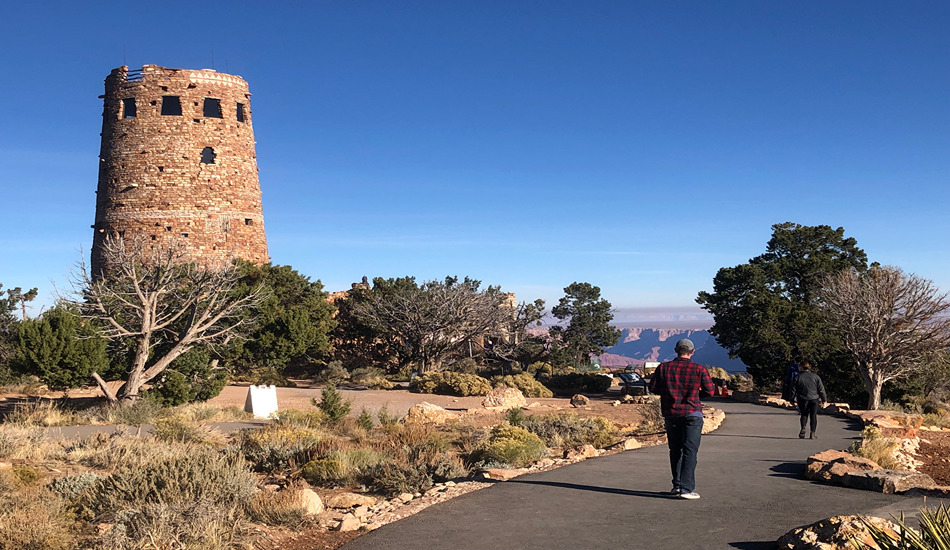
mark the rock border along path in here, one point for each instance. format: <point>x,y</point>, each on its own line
<point>749,475</point>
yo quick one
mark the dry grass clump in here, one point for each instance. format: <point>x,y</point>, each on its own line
<point>278,508</point>
<point>36,518</point>
<point>877,448</point>
<point>182,429</point>
<point>27,443</point>
<point>42,412</point>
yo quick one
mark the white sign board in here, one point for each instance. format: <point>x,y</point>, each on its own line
<point>261,401</point>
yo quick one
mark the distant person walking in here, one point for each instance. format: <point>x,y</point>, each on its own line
<point>680,383</point>
<point>809,392</point>
<point>788,383</point>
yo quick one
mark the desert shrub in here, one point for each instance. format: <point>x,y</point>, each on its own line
<point>465,365</point>
<point>540,368</point>
<point>333,373</point>
<point>877,448</point>
<point>36,518</point>
<point>42,412</point>
<point>933,532</point>
<point>570,384</point>
<point>372,378</point>
<point>528,385</point>
<point>295,418</point>
<point>450,383</point>
<point>941,420</point>
<point>334,407</point>
<point>186,526</point>
<point>386,419</point>
<point>342,468</point>
<point>71,487</point>
<point>277,448</point>
<point>393,478</point>
<point>718,374</point>
<point>26,475</point>
<point>269,376</point>
<point>182,429</point>
<point>278,508</point>
<point>570,430</point>
<point>651,420</point>
<point>512,446</point>
<point>202,475</point>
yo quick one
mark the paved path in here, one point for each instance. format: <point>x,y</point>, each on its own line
<point>749,476</point>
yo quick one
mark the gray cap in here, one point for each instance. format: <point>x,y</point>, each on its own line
<point>684,346</point>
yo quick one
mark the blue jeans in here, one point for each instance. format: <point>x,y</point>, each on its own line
<point>683,434</point>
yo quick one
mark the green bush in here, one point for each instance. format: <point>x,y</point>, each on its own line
<point>71,487</point>
<point>528,385</point>
<point>393,478</point>
<point>540,368</point>
<point>189,378</point>
<point>332,404</point>
<point>332,374</point>
<point>342,467</point>
<point>450,383</point>
<point>570,384</point>
<point>570,430</point>
<point>512,446</point>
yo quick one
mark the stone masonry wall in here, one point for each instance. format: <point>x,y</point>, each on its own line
<point>182,171</point>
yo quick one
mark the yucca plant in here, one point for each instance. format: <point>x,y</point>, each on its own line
<point>934,533</point>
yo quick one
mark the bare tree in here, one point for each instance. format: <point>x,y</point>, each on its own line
<point>888,320</point>
<point>435,319</point>
<point>160,303</point>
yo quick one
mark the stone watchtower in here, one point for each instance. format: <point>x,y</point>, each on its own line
<point>177,164</point>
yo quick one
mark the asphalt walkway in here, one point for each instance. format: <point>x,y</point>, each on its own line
<point>749,476</point>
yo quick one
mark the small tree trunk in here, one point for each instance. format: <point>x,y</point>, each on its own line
<point>104,387</point>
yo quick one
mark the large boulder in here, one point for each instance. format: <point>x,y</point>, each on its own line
<point>350,500</point>
<point>834,534</point>
<point>580,400</point>
<point>310,501</point>
<point>427,413</point>
<point>504,397</point>
<point>832,465</point>
<point>888,481</point>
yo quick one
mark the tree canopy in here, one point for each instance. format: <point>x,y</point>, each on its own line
<point>763,310</point>
<point>888,321</point>
<point>292,320</point>
<point>588,328</point>
<point>429,322</point>
<point>161,307</point>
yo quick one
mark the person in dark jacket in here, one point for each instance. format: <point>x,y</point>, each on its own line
<point>810,395</point>
<point>680,383</point>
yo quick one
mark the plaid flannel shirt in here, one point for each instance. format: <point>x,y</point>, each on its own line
<point>680,383</point>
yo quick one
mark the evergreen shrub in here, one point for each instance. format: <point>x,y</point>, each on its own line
<point>529,385</point>
<point>450,383</point>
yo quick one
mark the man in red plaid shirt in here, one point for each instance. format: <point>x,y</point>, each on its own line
<point>680,383</point>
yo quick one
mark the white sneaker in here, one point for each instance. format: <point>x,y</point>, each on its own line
<point>692,495</point>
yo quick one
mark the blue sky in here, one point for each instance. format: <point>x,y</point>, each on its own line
<point>637,146</point>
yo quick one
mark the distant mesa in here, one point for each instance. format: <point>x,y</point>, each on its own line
<point>638,345</point>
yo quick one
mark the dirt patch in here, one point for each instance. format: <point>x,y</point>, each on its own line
<point>934,453</point>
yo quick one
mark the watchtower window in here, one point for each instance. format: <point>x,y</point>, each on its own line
<point>171,105</point>
<point>212,108</point>
<point>241,112</point>
<point>248,221</point>
<point>128,108</point>
<point>207,155</point>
